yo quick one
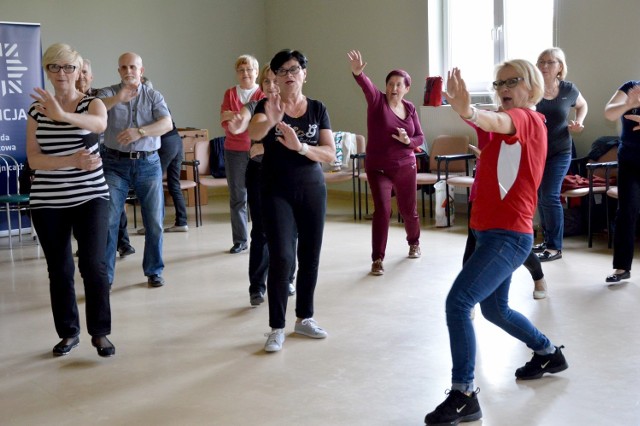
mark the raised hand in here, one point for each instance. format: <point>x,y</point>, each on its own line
<point>49,105</point>
<point>274,108</point>
<point>127,93</point>
<point>633,97</point>
<point>355,59</point>
<point>235,123</point>
<point>457,94</point>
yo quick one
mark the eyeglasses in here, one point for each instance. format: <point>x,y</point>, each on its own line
<point>510,83</point>
<point>281,72</point>
<point>549,63</point>
<point>243,70</point>
<point>55,68</point>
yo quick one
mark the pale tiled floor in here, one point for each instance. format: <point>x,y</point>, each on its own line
<point>190,353</point>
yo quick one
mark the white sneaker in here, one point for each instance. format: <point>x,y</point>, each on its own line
<point>292,289</point>
<point>275,339</point>
<point>309,327</point>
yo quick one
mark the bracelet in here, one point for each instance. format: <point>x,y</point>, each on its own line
<point>304,149</point>
<point>474,116</point>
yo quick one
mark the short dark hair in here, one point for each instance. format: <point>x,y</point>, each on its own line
<point>285,55</point>
<point>400,73</point>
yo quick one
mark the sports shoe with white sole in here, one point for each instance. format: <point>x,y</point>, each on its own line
<point>377,268</point>
<point>540,364</point>
<point>458,407</point>
<point>275,339</point>
<point>414,251</point>
<point>310,328</point>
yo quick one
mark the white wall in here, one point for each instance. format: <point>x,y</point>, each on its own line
<point>188,47</point>
<point>390,34</point>
<point>600,40</point>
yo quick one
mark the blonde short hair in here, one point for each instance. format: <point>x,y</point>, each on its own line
<point>263,75</point>
<point>247,59</point>
<point>558,55</point>
<point>61,52</point>
<point>532,77</point>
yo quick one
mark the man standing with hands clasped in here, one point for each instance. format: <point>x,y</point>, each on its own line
<point>137,117</point>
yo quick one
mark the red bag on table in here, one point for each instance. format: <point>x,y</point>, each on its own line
<point>433,91</point>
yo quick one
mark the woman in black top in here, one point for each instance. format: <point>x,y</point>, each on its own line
<point>297,137</point>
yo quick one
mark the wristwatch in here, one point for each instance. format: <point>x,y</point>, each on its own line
<point>142,131</point>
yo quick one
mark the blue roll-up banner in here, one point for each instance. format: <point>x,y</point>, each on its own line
<point>20,72</point>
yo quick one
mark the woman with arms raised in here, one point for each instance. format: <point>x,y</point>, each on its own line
<point>393,132</point>
<point>502,220</point>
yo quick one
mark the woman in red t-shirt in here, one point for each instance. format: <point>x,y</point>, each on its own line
<point>502,220</point>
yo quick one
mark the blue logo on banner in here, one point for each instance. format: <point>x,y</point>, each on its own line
<point>20,72</point>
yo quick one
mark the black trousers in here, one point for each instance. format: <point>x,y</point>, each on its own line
<point>288,211</point>
<point>88,222</point>
<point>259,250</point>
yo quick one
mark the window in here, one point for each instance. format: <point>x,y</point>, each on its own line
<point>475,35</point>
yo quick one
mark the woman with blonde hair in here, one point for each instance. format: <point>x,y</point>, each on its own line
<point>559,99</point>
<point>502,220</point>
<point>236,147</point>
<point>69,195</point>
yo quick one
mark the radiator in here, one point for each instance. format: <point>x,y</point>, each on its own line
<point>443,120</point>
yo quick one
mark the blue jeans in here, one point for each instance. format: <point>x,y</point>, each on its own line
<point>549,205</point>
<point>171,161</point>
<point>485,278</point>
<point>145,177</point>
<point>235,165</point>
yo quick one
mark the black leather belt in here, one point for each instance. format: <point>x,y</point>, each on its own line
<point>131,155</point>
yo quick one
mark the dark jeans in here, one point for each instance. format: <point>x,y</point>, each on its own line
<point>88,223</point>
<point>287,211</point>
<point>532,262</point>
<point>171,156</point>
<point>549,205</point>
<point>259,250</point>
<point>123,234</point>
<point>627,214</point>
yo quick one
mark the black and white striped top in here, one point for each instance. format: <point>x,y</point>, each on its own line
<point>66,187</point>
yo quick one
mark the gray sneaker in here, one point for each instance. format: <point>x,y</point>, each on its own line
<point>140,231</point>
<point>275,339</point>
<point>309,327</point>
<point>177,228</point>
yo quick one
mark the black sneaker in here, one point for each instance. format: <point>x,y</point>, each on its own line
<point>539,248</point>
<point>541,364</point>
<point>457,408</point>
<point>256,298</point>
<point>155,280</point>
<point>126,250</point>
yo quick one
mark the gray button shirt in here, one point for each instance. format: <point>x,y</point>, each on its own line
<point>146,108</point>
